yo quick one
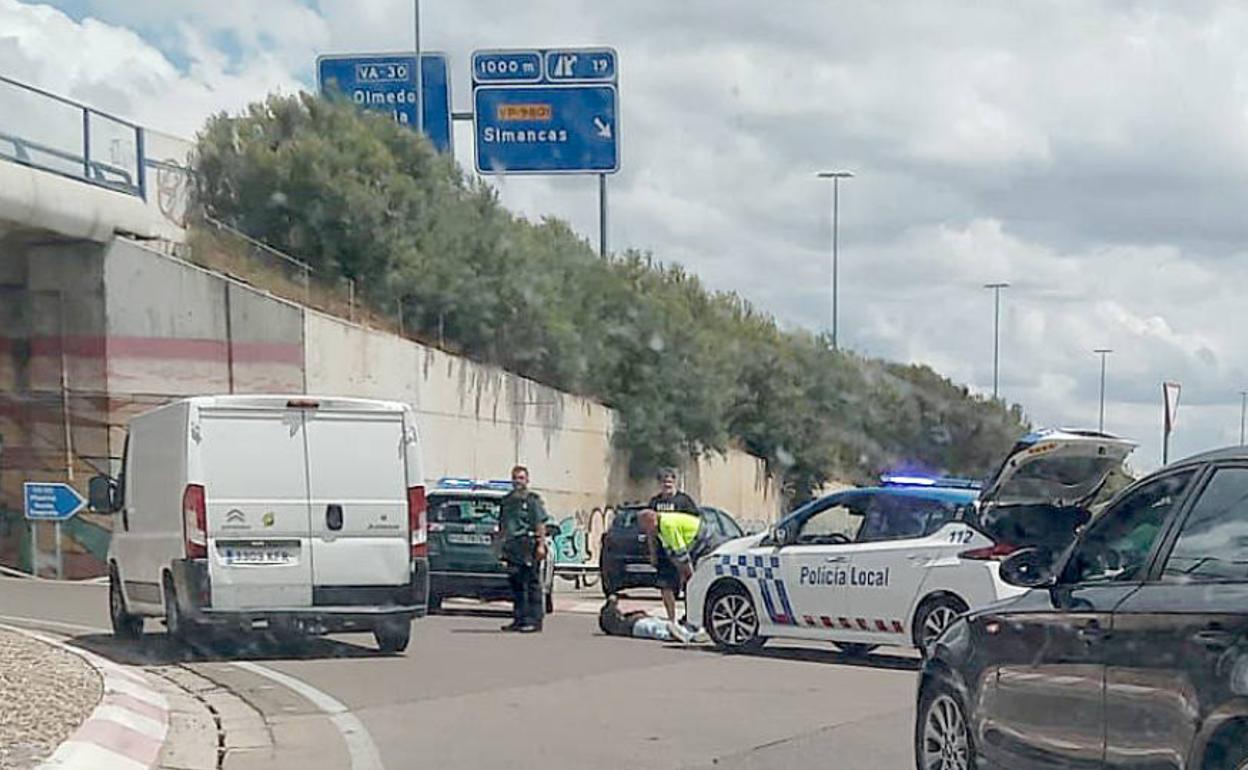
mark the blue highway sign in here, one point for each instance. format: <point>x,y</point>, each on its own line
<point>546,129</point>
<point>546,111</point>
<point>387,83</point>
<point>51,501</point>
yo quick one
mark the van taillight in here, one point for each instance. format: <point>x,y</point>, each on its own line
<point>195,522</point>
<point>416,508</point>
<point>995,552</point>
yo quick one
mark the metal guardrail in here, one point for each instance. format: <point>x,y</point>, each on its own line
<point>51,133</point>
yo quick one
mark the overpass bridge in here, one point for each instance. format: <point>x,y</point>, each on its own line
<point>76,184</point>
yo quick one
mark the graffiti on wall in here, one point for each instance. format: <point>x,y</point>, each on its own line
<point>580,536</point>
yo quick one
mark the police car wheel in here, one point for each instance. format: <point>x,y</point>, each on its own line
<point>934,617</point>
<point>731,619</point>
<point>942,739</point>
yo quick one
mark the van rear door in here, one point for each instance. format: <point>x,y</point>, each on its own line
<point>254,468</point>
<point>357,475</point>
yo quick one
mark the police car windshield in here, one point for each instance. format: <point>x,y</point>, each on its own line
<point>463,510</point>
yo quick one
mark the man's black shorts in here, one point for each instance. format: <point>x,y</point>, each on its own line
<point>669,576</point>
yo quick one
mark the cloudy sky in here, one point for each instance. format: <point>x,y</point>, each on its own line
<point>1094,155</point>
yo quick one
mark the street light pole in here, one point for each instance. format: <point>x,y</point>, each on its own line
<point>836,177</point>
<point>1103,353</point>
<point>996,333</point>
<point>1243,412</point>
<point>420,85</point>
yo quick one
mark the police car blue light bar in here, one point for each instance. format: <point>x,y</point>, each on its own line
<point>948,482</point>
<point>907,481</point>
<point>459,482</point>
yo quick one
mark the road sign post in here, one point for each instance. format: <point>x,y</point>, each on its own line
<point>50,501</point>
<point>389,82</point>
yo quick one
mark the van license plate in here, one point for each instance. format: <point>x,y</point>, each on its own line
<point>258,555</point>
<point>468,539</point>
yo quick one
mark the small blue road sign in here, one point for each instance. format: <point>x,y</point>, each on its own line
<point>387,83</point>
<point>51,501</point>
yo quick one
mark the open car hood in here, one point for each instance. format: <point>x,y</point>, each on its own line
<point>1056,467</point>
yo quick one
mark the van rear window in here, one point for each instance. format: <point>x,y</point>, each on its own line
<point>463,510</point>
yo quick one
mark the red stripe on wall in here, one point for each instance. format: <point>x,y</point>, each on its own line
<point>194,349</point>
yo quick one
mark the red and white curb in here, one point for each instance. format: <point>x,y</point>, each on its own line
<point>127,729</point>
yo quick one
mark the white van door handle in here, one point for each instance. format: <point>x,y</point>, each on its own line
<point>836,559</point>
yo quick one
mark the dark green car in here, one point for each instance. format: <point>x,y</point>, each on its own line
<point>464,543</point>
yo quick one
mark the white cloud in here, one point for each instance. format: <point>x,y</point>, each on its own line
<point>1094,154</point>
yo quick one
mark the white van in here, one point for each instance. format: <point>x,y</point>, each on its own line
<point>297,514</point>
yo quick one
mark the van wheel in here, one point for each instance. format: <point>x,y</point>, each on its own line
<point>550,602</point>
<point>393,635</point>
<point>125,626</point>
<point>434,604</point>
<point>177,625</point>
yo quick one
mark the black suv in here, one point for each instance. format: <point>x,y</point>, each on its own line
<point>1129,651</point>
<point>625,558</point>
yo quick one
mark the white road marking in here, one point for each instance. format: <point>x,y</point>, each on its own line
<point>360,745</point>
<point>364,754</point>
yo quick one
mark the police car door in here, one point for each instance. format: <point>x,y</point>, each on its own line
<point>816,564</point>
<point>891,558</point>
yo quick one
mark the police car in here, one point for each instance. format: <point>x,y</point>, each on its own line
<point>895,564</point>
<point>463,543</point>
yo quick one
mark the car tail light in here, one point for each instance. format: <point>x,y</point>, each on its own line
<point>994,552</point>
<point>416,508</point>
<point>195,522</point>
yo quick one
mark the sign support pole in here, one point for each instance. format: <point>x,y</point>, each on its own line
<point>60,561</point>
<point>420,85</point>
<point>602,216</point>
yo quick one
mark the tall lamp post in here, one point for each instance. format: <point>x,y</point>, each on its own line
<point>836,177</point>
<point>1243,412</point>
<point>1103,353</point>
<point>996,334</point>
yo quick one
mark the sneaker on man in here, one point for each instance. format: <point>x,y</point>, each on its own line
<point>679,632</point>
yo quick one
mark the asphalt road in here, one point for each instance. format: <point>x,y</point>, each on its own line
<point>466,695</point>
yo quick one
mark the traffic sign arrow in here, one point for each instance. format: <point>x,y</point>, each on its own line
<point>51,501</point>
<point>604,129</point>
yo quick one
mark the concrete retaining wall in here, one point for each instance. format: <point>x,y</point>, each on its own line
<point>103,331</point>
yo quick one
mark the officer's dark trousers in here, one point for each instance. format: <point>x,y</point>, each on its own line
<point>526,594</point>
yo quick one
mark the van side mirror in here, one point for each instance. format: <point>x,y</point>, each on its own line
<point>102,494</point>
<point>1028,568</point>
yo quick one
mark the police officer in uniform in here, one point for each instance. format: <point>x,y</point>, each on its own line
<point>669,500</point>
<point>522,522</point>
